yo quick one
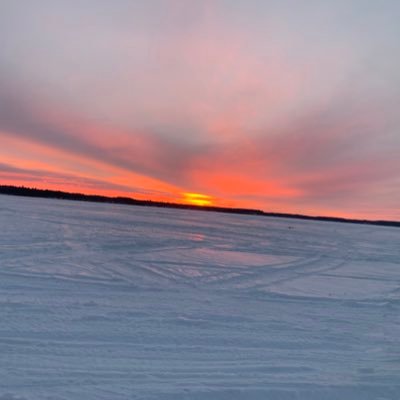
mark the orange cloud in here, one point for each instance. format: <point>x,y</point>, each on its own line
<point>245,128</point>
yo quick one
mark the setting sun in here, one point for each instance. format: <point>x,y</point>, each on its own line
<point>197,199</point>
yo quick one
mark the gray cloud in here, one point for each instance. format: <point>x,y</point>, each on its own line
<point>303,93</point>
<point>147,153</point>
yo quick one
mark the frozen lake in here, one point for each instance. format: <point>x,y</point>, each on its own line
<point>101,301</point>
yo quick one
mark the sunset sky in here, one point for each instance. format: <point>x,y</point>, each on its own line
<point>288,106</point>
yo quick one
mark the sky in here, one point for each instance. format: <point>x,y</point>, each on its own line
<point>280,105</point>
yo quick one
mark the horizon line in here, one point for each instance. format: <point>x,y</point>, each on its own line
<point>25,191</point>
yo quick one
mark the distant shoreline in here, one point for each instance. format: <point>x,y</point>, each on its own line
<point>57,194</point>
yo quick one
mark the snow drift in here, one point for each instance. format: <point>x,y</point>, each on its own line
<point>102,301</point>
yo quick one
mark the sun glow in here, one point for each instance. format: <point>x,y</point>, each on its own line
<point>197,199</point>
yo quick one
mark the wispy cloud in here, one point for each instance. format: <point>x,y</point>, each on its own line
<point>265,104</point>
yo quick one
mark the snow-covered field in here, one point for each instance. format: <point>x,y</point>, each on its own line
<point>102,301</point>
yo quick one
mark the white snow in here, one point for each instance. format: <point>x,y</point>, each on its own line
<point>100,301</point>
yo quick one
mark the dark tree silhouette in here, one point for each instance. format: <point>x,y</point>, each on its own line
<point>56,194</point>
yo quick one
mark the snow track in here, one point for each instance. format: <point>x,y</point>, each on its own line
<point>115,302</point>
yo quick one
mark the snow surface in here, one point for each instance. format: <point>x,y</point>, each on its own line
<point>112,302</point>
